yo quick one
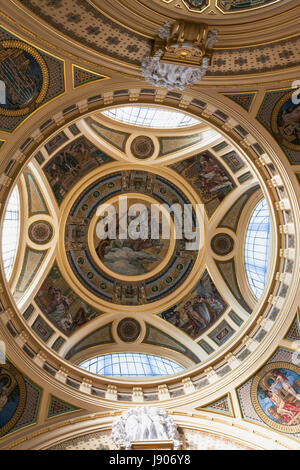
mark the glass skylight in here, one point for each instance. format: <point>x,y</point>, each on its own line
<point>131,365</point>
<point>257,248</point>
<point>10,232</point>
<point>150,117</point>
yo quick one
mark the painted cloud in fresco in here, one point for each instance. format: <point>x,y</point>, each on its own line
<point>127,261</point>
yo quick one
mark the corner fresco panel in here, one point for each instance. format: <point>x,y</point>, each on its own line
<point>208,177</point>
<point>61,305</point>
<point>31,78</point>
<point>281,117</point>
<point>199,310</point>
<point>272,396</point>
<point>19,399</point>
<point>277,394</point>
<point>71,163</point>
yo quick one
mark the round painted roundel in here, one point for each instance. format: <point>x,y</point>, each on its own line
<point>131,257</point>
<point>128,330</point>
<point>40,232</point>
<point>222,244</point>
<point>285,122</point>
<point>142,147</point>
<point>275,394</point>
<point>12,397</point>
<point>26,78</point>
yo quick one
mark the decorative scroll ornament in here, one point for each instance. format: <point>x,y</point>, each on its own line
<point>181,55</point>
<point>144,424</point>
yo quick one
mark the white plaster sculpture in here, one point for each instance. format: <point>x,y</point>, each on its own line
<point>212,38</point>
<point>144,424</point>
<point>173,76</point>
<point>164,31</point>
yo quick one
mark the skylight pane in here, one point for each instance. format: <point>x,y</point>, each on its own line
<point>150,117</point>
<point>257,248</point>
<point>131,365</point>
<point>10,233</point>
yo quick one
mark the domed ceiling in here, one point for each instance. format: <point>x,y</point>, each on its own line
<point>158,289</point>
<point>94,325</point>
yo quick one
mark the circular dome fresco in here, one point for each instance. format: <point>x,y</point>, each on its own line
<point>140,267</point>
<point>129,267</point>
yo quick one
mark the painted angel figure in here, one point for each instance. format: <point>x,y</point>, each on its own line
<point>283,380</point>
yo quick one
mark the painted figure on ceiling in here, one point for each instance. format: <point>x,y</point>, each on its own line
<point>71,163</point>
<point>197,312</point>
<point>287,411</point>
<point>129,256</point>
<point>9,396</point>
<point>210,179</point>
<point>59,309</point>
<point>288,122</point>
<point>278,395</point>
<point>281,379</point>
<point>22,77</point>
<point>61,305</point>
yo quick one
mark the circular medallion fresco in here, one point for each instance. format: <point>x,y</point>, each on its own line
<point>40,232</point>
<point>286,122</point>
<point>222,244</point>
<point>142,147</point>
<point>12,397</point>
<point>128,330</point>
<point>25,75</point>
<point>132,257</point>
<point>128,271</point>
<point>275,394</point>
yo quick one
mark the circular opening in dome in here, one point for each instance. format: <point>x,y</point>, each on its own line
<point>147,116</point>
<point>131,365</point>
<point>257,248</point>
<point>10,232</point>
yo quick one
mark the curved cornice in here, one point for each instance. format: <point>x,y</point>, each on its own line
<point>120,46</point>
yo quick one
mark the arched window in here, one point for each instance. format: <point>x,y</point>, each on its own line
<point>10,232</point>
<point>257,248</point>
<point>150,117</point>
<point>131,365</point>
